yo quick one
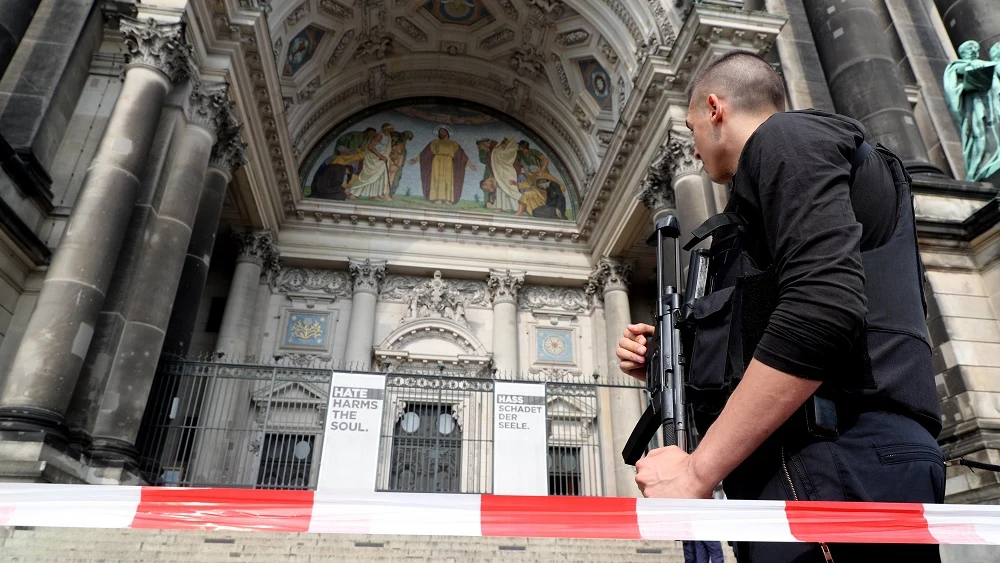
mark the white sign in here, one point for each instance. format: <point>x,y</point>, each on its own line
<point>349,459</point>
<point>519,440</point>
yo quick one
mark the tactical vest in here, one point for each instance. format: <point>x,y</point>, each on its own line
<point>889,366</point>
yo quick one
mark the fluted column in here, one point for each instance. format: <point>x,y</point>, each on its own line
<point>609,281</point>
<point>257,252</point>
<point>44,373</point>
<point>504,286</point>
<point>367,275</point>
<point>863,77</point>
<point>157,274</point>
<point>227,156</point>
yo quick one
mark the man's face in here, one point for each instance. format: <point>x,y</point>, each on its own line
<point>442,133</point>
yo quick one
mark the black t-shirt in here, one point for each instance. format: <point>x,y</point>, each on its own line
<point>792,187</point>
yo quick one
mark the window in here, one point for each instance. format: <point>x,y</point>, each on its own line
<point>564,471</point>
<point>286,461</point>
<point>426,450</point>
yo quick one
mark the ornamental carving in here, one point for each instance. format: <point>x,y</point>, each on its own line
<point>367,274</point>
<point>159,46</point>
<point>398,288</point>
<point>680,152</point>
<point>607,49</point>
<point>210,107</point>
<point>435,298</point>
<point>376,44</point>
<point>547,297</point>
<point>504,285</point>
<point>336,9</point>
<point>257,246</point>
<point>656,191</point>
<point>497,39</point>
<point>609,274</point>
<point>410,29</point>
<point>333,282</point>
<point>229,152</point>
<point>573,37</point>
<point>528,61</point>
<point>554,7</point>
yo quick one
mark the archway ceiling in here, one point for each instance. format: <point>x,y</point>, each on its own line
<point>528,58</point>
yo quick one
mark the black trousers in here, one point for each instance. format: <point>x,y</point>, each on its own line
<point>878,457</point>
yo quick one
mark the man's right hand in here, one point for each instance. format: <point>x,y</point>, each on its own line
<point>632,350</point>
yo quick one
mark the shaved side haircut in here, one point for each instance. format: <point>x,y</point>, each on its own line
<point>746,81</point>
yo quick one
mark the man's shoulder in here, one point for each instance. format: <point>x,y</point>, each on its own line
<point>812,122</point>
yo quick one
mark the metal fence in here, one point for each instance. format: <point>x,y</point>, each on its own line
<point>261,426</point>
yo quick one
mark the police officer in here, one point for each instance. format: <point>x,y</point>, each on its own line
<point>810,365</point>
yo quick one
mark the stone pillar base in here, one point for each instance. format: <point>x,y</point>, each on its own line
<point>32,457</point>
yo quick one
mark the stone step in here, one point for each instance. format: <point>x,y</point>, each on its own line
<point>69,545</point>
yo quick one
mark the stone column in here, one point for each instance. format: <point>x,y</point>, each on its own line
<point>157,274</point>
<point>504,286</point>
<point>691,192</point>
<point>609,280</point>
<point>227,156</point>
<point>15,16</point>
<point>45,370</point>
<point>863,78</point>
<point>257,251</point>
<point>367,274</point>
<point>971,20</point>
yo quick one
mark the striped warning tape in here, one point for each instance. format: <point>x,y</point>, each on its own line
<point>83,506</point>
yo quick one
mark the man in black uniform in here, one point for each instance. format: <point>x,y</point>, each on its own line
<point>824,388</point>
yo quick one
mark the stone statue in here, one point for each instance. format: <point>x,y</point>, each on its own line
<point>972,90</point>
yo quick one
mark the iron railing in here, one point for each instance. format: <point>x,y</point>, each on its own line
<point>260,425</point>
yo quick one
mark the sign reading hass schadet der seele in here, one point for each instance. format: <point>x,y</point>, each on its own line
<point>519,439</point>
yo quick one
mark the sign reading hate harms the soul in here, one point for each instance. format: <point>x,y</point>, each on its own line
<point>353,429</point>
<point>519,440</point>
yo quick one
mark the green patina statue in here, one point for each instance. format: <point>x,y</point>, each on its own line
<point>972,90</point>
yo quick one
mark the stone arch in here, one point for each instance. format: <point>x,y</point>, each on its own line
<point>434,343</point>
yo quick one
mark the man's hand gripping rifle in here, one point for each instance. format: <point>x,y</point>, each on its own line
<point>664,361</point>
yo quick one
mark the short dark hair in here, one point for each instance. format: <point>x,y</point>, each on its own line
<point>747,81</point>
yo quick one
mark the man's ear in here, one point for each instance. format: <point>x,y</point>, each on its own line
<point>716,110</point>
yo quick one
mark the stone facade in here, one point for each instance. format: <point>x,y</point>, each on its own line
<point>169,184</point>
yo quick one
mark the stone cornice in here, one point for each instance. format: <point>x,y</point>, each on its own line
<point>657,104</point>
<point>237,33</point>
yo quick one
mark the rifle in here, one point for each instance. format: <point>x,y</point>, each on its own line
<point>664,358</point>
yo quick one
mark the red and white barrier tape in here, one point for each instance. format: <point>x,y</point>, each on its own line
<point>83,506</point>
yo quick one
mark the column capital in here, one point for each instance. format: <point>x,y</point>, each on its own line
<point>504,285</point>
<point>210,107</point>
<point>229,152</point>
<point>160,46</point>
<point>257,246</point>
<point>680,155</point>
<point>610,274</point>
<point>655,190</point>
<point>367,274</point>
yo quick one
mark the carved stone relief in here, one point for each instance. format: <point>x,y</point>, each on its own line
<point>433,298</point>
<point>564,298</point>
<point>333,282</point>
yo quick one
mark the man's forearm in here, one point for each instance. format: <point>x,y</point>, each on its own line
<point>763,400</point>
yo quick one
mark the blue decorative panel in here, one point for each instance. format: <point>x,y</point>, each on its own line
<point>307,329</point>
<point>463,12</point>
<point>597,81</point>
<point>301,49</point>
<point>554,345</point>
